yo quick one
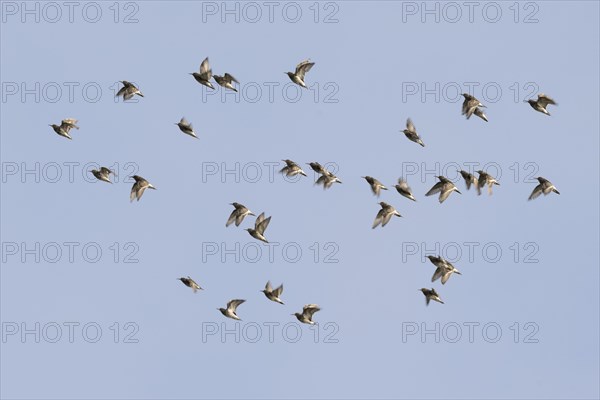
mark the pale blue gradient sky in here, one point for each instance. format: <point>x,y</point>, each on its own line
<point>370,292</point>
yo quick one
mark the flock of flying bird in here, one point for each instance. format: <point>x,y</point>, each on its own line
<point>445,187</point>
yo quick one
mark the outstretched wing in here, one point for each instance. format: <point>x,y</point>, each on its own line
<point>303,68</point>
<point>260,228</point>
<point>233,304</point>
<point>309,310</point>
<point>435,189</point>
<point>536,192</point>
<point>544,100</point>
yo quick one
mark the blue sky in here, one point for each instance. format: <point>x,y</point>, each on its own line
<point>369,59</point>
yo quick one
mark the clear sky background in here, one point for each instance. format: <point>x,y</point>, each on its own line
<point>369,58</point>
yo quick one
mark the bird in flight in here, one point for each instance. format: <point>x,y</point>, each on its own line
<point>65,127</point>
<point>541,103</point>
<point>238,214</point>
<point>403,188</point>
<point>545,186</point>
<point>204,76</point>
<point>485,179</point>
<point>471,106</point>
<point>230,311</point>
<point>189,282</point>
<point>138,188</point>
<point>384,215</point>
<point>444,187</point>
<point>376,186</point>
<point>186,127</point>
<point>273,294</point>
<point>431,294</point>
<point>226,81</point>
<point>307,314</point>
<point>411,133</point>
<point>291,169</point>
<point>103,174</point>
<point>301,70</point>
<point>260,225</point>
<point>128,91</point>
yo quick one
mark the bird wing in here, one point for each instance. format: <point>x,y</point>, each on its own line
<point>375,188</point>
<point>309,310</point>
<point>204,66</point>
<point>387,217</point>
<point>239,217</point>
<point>233,217</point>
<point>410,126</point>
<point>465,105</point>
<point>134,190</point>
<point>268,287</point>
<point>259,219</point>
<point>260,228</point>
<point>378,218</point>
<point>471,107</point>
<point>69,121</point>
<point>544,100</point>
<point>439,271</point>
<point>446,276</point>
<point>436,188</point>
<point>141,189</point>
<point>230,78</point>
<point>303,68</point>
<point>121,91</point>
<point>277,292</point>
<point>404,185</point>
<point>536,192</point>
<point>469,179</point>
<point>445,193</point>
<point>233,304</point>
<point>483,178</point>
